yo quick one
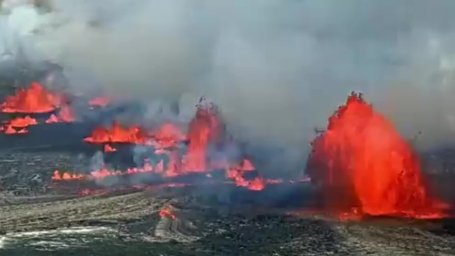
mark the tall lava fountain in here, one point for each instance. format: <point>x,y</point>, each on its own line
<point>361,164</point>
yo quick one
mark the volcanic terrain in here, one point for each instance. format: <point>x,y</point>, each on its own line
<point>164,184</point>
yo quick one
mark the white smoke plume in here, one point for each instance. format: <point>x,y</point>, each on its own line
<point>277,68</point>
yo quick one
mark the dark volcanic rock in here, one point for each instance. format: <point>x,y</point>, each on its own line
<point>233,234</point>
<point>28,173</point>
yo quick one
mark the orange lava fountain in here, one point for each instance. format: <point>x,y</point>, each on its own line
<point>363,166</point>
<point>236,173</point>
<point>18,125</point>
<point>22,122</point>
<point>167,135</point>
<point>34,99</point>
<point>117,134</point>
<point>204,129</point>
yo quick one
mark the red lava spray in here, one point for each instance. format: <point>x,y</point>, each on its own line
<point>204,129</point>
<point>34,99</point>
<point>362,165</point>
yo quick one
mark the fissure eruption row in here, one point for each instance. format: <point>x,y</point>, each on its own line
<point>359,164</point>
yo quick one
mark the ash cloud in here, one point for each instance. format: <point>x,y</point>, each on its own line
<point>277,69</point>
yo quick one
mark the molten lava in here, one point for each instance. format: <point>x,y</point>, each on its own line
<point>362,165</point>
<point>237,174</point>
<point>204,130</point>
<point>66,176</point>
<point>52,119</point>
<point>66,114</point>
<point>34,99</point>
<point>167,135</point>
<point>117,134</point>
<point>18,125</point>
<point>204,133</point>
<point>166,212</point>
<point>9,130</point>
<point>109,149</point>
<point>100,101</point>
<point>22,122</point>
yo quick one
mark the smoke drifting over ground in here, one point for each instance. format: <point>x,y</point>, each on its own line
<point>277,69</point>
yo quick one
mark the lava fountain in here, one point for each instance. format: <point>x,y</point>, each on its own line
<point>362,165</point>
<point>117,134</point>
<point>34,99</point>
<point>204,130</point>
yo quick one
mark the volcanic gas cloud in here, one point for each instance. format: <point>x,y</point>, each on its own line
<point>362,165</point>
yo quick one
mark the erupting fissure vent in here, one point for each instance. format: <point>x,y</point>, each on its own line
<point>362,165</point>
<point>205,132</point>
<point>64,115</point>
<point>117,134</point>
<point>33,99</point>
<point>204,129</point>
<point>30,102</point>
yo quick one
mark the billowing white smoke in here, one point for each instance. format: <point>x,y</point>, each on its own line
<point>277,68</point>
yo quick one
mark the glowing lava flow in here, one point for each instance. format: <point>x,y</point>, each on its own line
<point>66,176</point>
<point>22,122</point>
<point>166,212</point>
<point>117,134</point>
<point>109,149</point>
<point>363,166</point>
<point>237,174</point>
<point>34,99</point>
<point>105,172</point>
<point>18,125</point>
<point>167,135</point>
<point>52,119</point>
<point>65,115</point>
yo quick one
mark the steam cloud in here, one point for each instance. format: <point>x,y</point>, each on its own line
<point>277,68</point>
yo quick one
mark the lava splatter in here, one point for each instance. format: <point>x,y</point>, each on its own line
<point>362,165</point>
<point>34,99</point>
